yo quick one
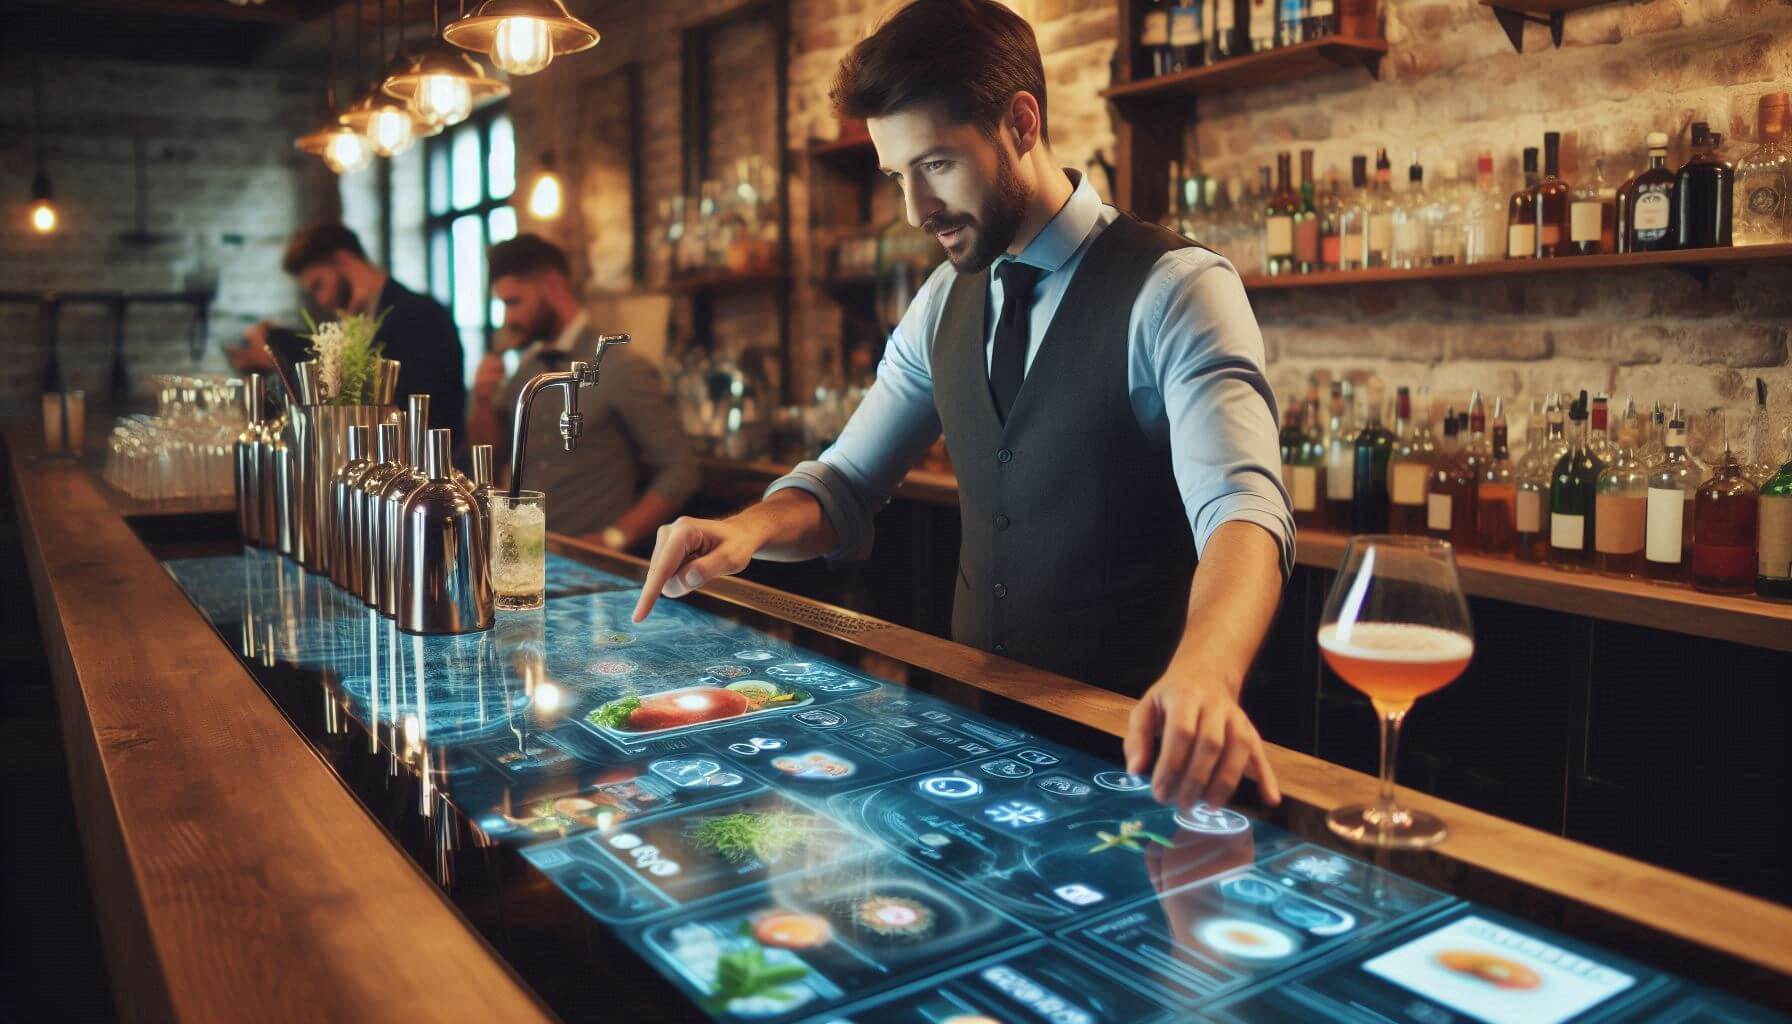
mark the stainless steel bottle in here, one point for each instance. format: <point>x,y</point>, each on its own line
<point>246,460</point>
<point>339,519</point>
<point>446,586</point>
<point>388,463</point>
<point>392,498</point>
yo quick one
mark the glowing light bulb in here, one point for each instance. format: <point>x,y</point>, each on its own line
<point>442,100</point>
<point>522,46</point>
<point>545,197</point>
<point>390,131</point>
<point>346,152</point>
<point>547,697</point>
<point>43,217</point>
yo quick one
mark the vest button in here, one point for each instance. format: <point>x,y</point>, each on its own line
<point>1001,521</point>
<point>1004,455</point>
<point>1001,590</point>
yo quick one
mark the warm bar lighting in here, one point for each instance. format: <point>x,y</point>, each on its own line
<point>521,36</point>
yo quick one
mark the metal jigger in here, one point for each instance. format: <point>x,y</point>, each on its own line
<point>388,452</point>
<point>392,498</point>
<point>339,522</point>
<point>445,587</point>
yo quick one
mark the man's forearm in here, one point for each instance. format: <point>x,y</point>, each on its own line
<point>1231,604</point>
<point>789,526</point>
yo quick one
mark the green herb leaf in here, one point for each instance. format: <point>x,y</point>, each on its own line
<point>615,714</point>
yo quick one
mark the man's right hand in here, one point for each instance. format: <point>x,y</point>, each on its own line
<point>688,553</point>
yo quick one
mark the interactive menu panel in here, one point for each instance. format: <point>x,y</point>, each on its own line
<point>787,839</point>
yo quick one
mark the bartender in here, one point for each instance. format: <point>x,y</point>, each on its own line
<point>1100,385</point>
<point>633,467</point>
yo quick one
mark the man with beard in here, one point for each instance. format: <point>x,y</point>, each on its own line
<point>333,270</point>
<point>633,467</point>
<point>1100,385</point>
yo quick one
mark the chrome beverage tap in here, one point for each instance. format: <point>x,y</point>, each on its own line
<point>247,463</point>
<point>392,498</point>
<point>572,422</point>
<point>338,522</point>
<point>446,586</point>
<point>388,449</point>
<point>482,485</point>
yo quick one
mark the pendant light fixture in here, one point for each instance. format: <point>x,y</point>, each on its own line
<point>343,149</point>
<point>443,85</point>
<point>521,36</point>
<point>43,198</point>
<point>546,197</point>
<point>385,123</point>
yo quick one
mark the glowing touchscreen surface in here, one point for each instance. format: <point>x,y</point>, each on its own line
<point>788,839</point>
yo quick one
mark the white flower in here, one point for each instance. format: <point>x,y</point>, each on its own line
<point>327,342</point>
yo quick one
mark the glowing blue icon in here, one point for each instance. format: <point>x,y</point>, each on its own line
<point>1079,895</point>
<point>1122,782</point>
<point>1015,813</point>
<point>753,746</point>
<point>1038,757</point>
<point>1217,821</point>
<point>1005,768</point>
<point>951,787</point>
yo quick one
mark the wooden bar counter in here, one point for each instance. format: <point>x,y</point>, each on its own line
<point>238,877</point>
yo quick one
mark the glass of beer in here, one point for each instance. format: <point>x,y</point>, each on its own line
<point>1395,627</point>
<point>519,566</point>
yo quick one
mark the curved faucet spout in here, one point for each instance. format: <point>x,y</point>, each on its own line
<point>577,375</point>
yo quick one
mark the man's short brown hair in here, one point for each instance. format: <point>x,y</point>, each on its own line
<point>317,244</point>
<point>526,255</point>
<point>968,56</point>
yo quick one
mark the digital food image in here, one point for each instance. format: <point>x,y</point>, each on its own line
<point>894,917</point>
<point>753,835</point>
<point>692,705</point>
<point>1490,968</point>
<point>791,929</point>
<point>1245,940</point>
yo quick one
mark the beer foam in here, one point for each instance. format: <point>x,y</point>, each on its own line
<point>1403,642</point>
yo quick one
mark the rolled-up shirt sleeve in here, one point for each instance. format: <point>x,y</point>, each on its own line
<point>888,433</point>
<point>1199,346</point>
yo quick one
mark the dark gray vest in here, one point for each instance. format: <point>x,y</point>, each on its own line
<point>1076,554</point>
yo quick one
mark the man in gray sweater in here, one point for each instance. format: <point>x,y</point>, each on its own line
<point>633,467</point>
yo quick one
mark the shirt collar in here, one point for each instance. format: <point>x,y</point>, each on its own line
<point>569,336</point>
<point>1065,233</point>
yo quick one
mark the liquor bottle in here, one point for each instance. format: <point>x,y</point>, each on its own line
<point>1223,22</point>
<point>1353,226</point>
<point>1289,440</point>
<point>1573,516</point>
<point>1763,213</point>
<point>1263,25</point>
<point>1590,215</point>
<point>1761,464</point>
<point>1291,22</point>
<point>1188,38</point>
<point>1702,193</point>
<point>1599,437</point>
<point>1154,37</point>
<point>1438,496</point>
<point>1306,219</point>
<point>1652,222</point>
<point>1173,213</point>
<point>1496,495</point>
<point>1622,500</point>
<point>1278,222</point>
<point>1674,479</point>
<point>1535,473</point>
<point>1773,574</point>
<point>1331,224</point>
<point>1340,456</point>
<point>1725,519</point>
<point>1369,491</point>
<point>1552,201</point>
<point>1409,220</point>
<point>1521,213</point>
<point>1308,471</point>
<point>1378,242</point>
<point>1445,218</point>
<point>1322,20</point>
<point>1409,467</point>
<point>1465,477</point>
<point>1484,216</point>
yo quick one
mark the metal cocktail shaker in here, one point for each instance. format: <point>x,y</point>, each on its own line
<point>392,497</point>
<point>482,486</point>
<point>388,452</point>
<point>446,587</point>
<point>338,521</point>
<point>247,464</point>
<point>277,524</point>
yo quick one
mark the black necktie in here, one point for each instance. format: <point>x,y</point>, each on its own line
<point>1008,363</point>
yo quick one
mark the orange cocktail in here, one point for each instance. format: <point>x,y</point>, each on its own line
<point>1395,663</point>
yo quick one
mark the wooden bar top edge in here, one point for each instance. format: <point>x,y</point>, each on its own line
<point>235,876</point>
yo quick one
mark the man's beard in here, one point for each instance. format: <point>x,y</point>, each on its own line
<point>993,233</point>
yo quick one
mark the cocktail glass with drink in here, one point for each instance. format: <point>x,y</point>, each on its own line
<point>519,569</point>
<point>1395,627</point>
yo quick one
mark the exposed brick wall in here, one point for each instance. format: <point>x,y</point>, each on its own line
<point>225,185</point>
<point>1450,85</point>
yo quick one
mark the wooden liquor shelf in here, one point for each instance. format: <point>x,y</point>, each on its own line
<point>1696,261</point>
<point>1302,60</point>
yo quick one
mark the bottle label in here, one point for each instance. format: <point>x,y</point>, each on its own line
<point>1351,245</point>
<point>1185,26</point>
<point>1649,215</point>
<point>1406,482</point>
<point>1667,518</point>
<point>1263,19</point>
<point>1530,512</point>
<point>1322,8</point>
<point>1280,232</point>
<point>1437,512</point>
<point>1586,221</point>
<point>1776,538</point>
<point>1521,241</point>
<point>1340,480</point>
<point>1619,528</point>
<point>1567,532</point>
<point>1381,232</point>
<point>1225,18</point>
<point>1331,250</point>
<point>1303,487</point>
<point>1764,201</point>
<point>1306,239</point>
<point>1407,235</point>
<point>1156,29</point>
<point>1552,235</point>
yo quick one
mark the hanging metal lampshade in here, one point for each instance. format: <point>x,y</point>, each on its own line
<point>386,124</point>
<point>521,36</point>
<point>342,148</point>
<point>444,85</point>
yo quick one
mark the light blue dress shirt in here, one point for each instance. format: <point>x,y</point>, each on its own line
<point>1194,373</point>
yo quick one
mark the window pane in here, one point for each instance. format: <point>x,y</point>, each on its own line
<point>503,224</point>
<point>497,314</point>
<point>441,268</point>
<point>472,349</point>
<point>469,272</point>
<point>501,160</point>
<point>438,178</point>
<point>466,165</point>
<point>410,264</point>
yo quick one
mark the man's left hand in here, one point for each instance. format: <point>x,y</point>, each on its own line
<point>1202,741</point>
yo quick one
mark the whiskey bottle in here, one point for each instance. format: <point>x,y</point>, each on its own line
<point>1369,491</point>
<point>1652,222</point>
<point>1340,456</point>
<point>1188,40</point>
<point>1521,213</point>
<point>1263,25</point>
<point>1331,224</point>
<point>1409,220</point>
<point>1773,575</point>
<point>1590,215</point>
<point>1622,500</point>
<point>1551,198</point>
<point>1763,214</point>
<point>1278,222</point>
<point>1465,477</point>
<point>1674,479</point>
<point>1702,193</point>
<point>1323,20</point>
<point>1291,22</point>
<point>1222,23</point>
<point>1378,245</point>
<point>1573,516</point>
<point>1409,467</point>
<point>1154,38</point>
<point>1496,495</point>
<point>1535,472</point>
<point>1307,474</point>
<point>1306,220</point>
<point>1353,224</point>
<point>1725,518</point>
